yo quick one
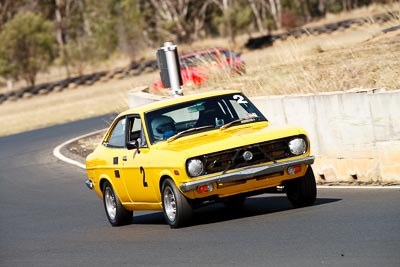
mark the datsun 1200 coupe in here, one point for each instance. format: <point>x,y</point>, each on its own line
<point>179,154</point>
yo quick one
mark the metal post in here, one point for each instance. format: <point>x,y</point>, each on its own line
<point>174,73</point>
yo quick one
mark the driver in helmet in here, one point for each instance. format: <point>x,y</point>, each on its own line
<point>163,127</point>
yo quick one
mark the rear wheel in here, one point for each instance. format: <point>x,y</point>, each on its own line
<point>302,191</point>
<point>116,213</point>
<point>177,209</point>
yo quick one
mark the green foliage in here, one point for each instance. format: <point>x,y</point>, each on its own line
<point>26,47</point>
<point>241,17</point>
<point>237,19</point>
<point>112,25</point>
<point>130,28</point>
<point>8,9</point>
<point>80,53</point>
<point>103,19</point>
<point>334,7</point>
<point>89,31</point>
<point>269,23</point>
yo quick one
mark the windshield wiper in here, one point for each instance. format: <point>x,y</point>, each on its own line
<point>174,137</point>
<point>226,126</point>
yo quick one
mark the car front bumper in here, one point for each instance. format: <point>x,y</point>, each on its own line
<point>247,173</point>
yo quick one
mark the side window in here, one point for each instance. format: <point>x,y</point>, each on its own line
<point>117,136</point>
<point>136,131</point>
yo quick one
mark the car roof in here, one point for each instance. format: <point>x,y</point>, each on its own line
<point>202,52</point>
<point>176,100</point>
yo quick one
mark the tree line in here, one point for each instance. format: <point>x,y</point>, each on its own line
<point>33,33</point>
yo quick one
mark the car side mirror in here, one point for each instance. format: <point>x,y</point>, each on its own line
<point>133,145</point>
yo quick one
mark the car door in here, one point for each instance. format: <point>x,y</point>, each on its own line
<point>140,186</point>
<point>113,150</point>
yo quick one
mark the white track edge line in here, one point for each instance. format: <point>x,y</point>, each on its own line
<point>57,150</point>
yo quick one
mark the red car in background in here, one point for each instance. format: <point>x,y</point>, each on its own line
<point>196,66</point>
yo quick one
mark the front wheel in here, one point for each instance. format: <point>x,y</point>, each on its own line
<point>302,191</point>
<point>116,213</point>
<point>177,209</point>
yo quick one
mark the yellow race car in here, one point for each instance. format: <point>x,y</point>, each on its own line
<point>178,154</point>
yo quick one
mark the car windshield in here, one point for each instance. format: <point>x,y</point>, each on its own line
<point>205,58</point>
<point>218,112</point>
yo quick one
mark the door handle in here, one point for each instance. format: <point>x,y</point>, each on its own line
<point>124,158</point>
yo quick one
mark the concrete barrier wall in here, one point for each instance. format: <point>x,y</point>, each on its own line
<point>139,97</point>
<point>355,136</point>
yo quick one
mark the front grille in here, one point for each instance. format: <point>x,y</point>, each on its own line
<point>233,158</point>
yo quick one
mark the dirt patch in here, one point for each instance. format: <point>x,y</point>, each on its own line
<point>81,148</point>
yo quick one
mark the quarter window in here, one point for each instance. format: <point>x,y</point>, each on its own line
<point>117,136</point>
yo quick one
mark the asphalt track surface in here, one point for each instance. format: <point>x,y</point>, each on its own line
<point>49,218</point>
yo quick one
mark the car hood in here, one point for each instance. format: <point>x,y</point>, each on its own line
<point>217,140</point>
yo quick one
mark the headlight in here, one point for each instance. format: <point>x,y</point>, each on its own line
<point>195,167</point>
<point>298,146</point>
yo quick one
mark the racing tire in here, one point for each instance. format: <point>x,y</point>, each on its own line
<point>116,213</point>
<point>177,209</point>
<point>302,191</point>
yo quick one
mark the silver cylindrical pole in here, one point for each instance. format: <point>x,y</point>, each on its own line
<point>173,69</point>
